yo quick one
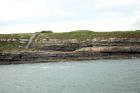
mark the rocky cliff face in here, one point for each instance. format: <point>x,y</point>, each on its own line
<point>53,47</point>
<point>37,57</point>
<point>74,44</point>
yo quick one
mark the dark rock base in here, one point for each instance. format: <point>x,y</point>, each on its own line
<point>43,57</point>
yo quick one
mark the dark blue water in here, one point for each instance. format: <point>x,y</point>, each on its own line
<point>97,76</point>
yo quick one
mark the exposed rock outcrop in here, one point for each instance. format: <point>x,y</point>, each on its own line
<point>111,49</point>
<point>74,44</point>
<point>81,54</point>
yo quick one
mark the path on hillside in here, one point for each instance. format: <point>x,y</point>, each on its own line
<point>31,40</point>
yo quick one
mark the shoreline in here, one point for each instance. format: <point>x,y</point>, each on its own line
<point>48,46</point>
<point>45,57</point>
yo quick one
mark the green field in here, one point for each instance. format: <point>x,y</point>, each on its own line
<point>87,34</point>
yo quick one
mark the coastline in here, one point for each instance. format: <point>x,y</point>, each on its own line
<point>45,57</point>
<point>47,46</point>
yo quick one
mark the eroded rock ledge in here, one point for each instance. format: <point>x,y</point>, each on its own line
<point>88,53</point>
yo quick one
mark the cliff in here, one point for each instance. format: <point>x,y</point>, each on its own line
<point>47,46</point>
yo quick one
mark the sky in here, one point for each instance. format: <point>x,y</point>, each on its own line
<point>25,16</point>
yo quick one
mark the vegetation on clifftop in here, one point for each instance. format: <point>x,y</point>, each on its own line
<point>15,36</point>
<point>79,34</point>
<point>87,34</point>
<point>7,41</point>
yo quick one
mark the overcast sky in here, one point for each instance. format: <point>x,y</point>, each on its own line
<point>23,16</point>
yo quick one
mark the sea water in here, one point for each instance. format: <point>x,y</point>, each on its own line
<point>95,76</point>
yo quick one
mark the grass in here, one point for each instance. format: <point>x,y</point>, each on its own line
<point>79,34</point>
<point>13,45</point>
<point>15,36</point>
<point>87,34</point>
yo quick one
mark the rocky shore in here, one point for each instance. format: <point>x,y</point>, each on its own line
<point>81,54</point>
<point>80,45</point>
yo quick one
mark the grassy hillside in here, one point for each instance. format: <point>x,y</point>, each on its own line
<point>10,45</point>
<point>86,34</point>
<point>79,34</point>
<point>15,36</point>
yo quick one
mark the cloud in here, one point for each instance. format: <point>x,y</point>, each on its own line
<point>62,15</point>
<point>137,24</point>
<point>14,10</point>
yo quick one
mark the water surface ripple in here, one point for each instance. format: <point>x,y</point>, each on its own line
<point>96,76</point>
